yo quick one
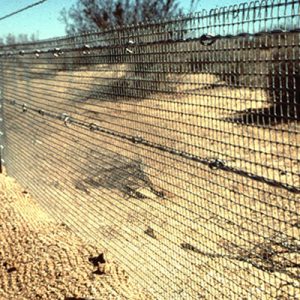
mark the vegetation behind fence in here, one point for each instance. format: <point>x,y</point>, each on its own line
<point>173,145</point>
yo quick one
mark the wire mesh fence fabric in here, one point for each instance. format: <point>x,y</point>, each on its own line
<point>173,145</point>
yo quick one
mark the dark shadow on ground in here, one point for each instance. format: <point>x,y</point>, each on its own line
<point>140,81</point>
<point>115,172</point>
<point>284,96</point>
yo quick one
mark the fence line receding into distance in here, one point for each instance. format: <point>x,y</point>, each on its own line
<point>174,145</point>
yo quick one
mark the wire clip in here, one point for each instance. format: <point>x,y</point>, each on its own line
<point>137,139</point>
<point>24,107</point>
<point>56,52</point>
<point>86,49</point>
<point>41,112</point>
<point>129,51</point>
<point>93,127</point>
<point>207,39</point>
<point>37,53</point>
<point>66,119</point>
<point>216,164</point>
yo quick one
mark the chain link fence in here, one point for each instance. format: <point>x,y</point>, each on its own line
<point>172,145</point>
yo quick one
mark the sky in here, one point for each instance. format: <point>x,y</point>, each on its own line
<point>42,20</point>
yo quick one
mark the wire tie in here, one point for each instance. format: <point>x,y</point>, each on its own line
<point>207,39</point>
<point>136,139</point>
<point>86,49</point>
<point>216,164</point>
<point>93,127</point>
<point>129,51</point>
<point>41,112</point>
<point>66,119</point>
<point>37,53</point>
<point>63,115</point>
<point>24,107</point>
<point>57,52</point>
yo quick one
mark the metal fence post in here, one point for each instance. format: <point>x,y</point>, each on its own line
<point>2,161</point>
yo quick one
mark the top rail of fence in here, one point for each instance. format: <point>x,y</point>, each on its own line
<point>256,17</point>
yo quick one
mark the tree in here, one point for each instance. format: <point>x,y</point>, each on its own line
<point>22,38</point>
<point>34,37</point>
<point>87,15</point>
<point>12,39</point>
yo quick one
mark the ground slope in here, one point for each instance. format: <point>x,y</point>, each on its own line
<point>42,259</point>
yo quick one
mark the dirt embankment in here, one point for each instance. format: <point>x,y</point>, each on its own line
<point>42,259</point>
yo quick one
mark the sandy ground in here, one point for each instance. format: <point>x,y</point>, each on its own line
<point>42,259</point>
<point>214,234</point>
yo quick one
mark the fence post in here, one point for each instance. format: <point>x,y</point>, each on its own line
<point>1,117</point>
